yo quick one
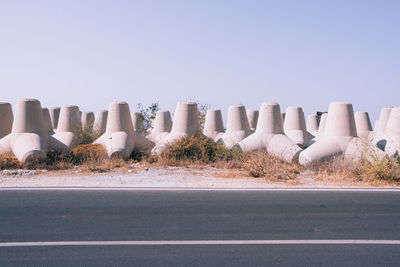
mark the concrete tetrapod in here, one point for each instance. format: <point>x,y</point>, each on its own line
<point>6,119</point>
<point>269,135</point>
<point>119,138</point>
<point>252,117</point>
<point>54,115</point>
<point>100,121</point>
<point>237,127</point>
<point>321,130</point>
<point>87,120</point>
<point>69,126</point>
<point>376,125</point>
<point>161,126</point>
<point>379,135</point>
<point>339,138</point>
<point>392,133</point>
<point>363,125</point>
<point>186,122</point>
<point>29,139</point>
<point>295,126</point>
<point>47,120</point>
<point>322,124</point>
<point>213,125</point>
<point>313,124</point>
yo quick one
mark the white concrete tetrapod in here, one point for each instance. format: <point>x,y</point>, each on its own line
<point>237,127</point>
<point>213,125</point>
<point>137,121</point>
<point>100,122</point>
<point>161,126</point>
<point>392,133</point>
<point>69,126</point>
<point>295,126</point>
<point>339,138</point>
<point>379,136</point>
<point>321,130</point>
<point>252,117</point>
<point>322,124</point>
<point>29,139</point>
<point>363,125</point>
<point>269,135</point>
<point>186,122</point>
<point>47,120</point>
<point>54,115</point>
<point>376,125</point>
<point>87,120</point>
<point>6,119</point>
<point>119,137</point>
<point>313,124</point>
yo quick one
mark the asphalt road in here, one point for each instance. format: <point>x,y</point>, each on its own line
<point>47,216</point>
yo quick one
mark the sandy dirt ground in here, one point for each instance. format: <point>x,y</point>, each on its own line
<point>164,177</point>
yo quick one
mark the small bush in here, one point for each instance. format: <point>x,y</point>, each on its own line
<point>88,153</point>
<point>9,161</point>
<point>86,135</point>
<point>195,148</point>
<point>57,161</point>
<point>387,169</point>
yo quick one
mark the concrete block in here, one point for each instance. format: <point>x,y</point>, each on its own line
<point>6,119</point>
<point>237,127</point>
<point>69,126</point>
<point>213,125</point>
<point>119,137</point>
<point>339,137</point>
<point>100,121</point>
<point>295,126</point>
<point>29,139</point>
<point>54,115</point>
<point>161,126</point>
<point>186,122</point>
<point>269,135</point>
<point>252,117</point>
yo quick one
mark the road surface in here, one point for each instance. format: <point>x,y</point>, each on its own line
<point>207,228</point>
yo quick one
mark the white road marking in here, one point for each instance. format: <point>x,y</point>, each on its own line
<point>199,189</point>
<point>201,242</point>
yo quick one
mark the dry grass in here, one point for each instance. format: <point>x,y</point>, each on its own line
<point>195,149</point>
<point>262,164</point>
<point>387,169</point>
<point>94,158</point>
<point>374,172</point>
<point>9,161</point>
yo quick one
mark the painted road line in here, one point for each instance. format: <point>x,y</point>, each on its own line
<point>201,242</point>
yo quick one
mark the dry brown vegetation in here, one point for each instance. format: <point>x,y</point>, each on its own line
<point>197,150</point>
<point>9,161</point>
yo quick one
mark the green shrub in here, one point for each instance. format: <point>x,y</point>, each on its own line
<point>196,148</point>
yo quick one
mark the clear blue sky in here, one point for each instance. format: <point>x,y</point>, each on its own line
<point>300,52</point>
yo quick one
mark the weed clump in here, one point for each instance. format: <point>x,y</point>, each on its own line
<point>87,135</point>
<point>88,153</point>
<point>195,148</point>
<point>386,169</point>
<point>9,161</point>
